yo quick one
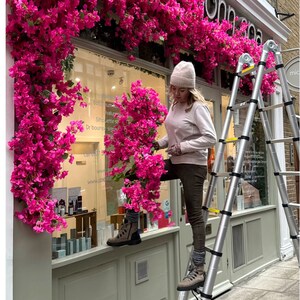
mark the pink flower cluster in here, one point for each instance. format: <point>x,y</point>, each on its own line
<point>39,33</point>
<point>181,25</point>
<point>130,148</point>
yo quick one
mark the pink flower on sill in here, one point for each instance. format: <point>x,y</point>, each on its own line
<point>131,57</point>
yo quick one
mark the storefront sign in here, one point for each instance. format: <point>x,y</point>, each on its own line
<point>220,10</point>
<point>292,73</point>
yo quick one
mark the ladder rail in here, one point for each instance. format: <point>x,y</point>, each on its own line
<point>285,91</point>
<point>279,177</point>
<point>225,216</point>
<point>244,59</point>
<point>281,184</point>
<point>255,102</point>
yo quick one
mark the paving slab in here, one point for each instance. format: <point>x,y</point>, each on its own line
<point>280,281</point>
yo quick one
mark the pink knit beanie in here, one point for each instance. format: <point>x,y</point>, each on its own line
<point>184,75</point>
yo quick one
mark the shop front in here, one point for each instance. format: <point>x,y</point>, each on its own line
<point>78,264</point>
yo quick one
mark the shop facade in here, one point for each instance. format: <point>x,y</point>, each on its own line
<point>257,235</point>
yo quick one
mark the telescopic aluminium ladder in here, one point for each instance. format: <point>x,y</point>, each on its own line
<point>257,73</point>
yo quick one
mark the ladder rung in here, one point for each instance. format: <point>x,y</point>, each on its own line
<point>288,139</point>
<point>297,205</point>
<point>266,71</point>
<point>213,210</point>
<point>208,249</point>
<point>225,174</point>
<point>231,140</point>
<point>248,70</point>
<point>241,105</point>
<point>253,68</point>
<point>293,173</point>
<point>272,106</point>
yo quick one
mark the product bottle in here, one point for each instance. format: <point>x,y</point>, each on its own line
<point>56,208</point>
<point>70,208</point>
<point>62,207</point>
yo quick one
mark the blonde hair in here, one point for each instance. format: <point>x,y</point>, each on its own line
<point>195,95</point>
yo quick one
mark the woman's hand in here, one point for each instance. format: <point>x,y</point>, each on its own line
<point>156,145</point>
<point>174,150</point>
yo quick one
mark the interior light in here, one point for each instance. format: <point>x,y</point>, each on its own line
<point>113,87</point>
<point>77,79</point>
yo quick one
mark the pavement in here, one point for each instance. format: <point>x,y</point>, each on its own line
<point>280,281</point>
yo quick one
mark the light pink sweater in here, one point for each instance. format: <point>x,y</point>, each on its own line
<point>193,130</point>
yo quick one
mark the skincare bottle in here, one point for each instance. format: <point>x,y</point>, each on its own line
<point>62,207</point>
<point>56,208</point>
<point>70,208</point>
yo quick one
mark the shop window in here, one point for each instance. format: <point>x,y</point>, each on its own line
<point>91,199</point>
<point>226,79</point>
<point>153,52</point>
<point>104,35</point>
<point>199,67</point>
<point>252,190</point>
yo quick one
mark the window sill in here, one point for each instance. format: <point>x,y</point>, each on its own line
<point>64,261</point>
<point>250,211</point>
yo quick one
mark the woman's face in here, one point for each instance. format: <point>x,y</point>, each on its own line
<point>180,94</point>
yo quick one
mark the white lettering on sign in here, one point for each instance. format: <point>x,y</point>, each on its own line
<point>218,9</point>
<point>293,73</point>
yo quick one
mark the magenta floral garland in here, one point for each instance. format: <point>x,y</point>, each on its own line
<point>39,33</point>
<point>130,148</point>
<point>181,25</point>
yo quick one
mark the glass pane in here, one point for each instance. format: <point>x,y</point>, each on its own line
<point>99,196</point>
<point>252,189</point>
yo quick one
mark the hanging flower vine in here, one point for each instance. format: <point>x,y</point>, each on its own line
<point>39,33</point>
<point>130,148</point>
<point>181,25</point>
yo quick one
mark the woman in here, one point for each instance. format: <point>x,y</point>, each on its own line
<point>190,132</point>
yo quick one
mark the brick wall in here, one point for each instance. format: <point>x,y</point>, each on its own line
<point>291,6</point>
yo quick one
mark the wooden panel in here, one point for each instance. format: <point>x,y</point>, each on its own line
<point>93,284</point>
<point>254,240</point>
<point>156,260</point>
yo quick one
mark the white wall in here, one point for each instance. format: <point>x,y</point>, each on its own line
<point>7,128</point>
<point>286,246</point>
<point>26,258</point>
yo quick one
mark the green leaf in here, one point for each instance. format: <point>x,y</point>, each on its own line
<point>68,63</point>
<point>70,83</point>
<point>65,156</point>
<point>30,23</point>
<point>118,177</point>
<point>51,137</point>
<point>46,93</point>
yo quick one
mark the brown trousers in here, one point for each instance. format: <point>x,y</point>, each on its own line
<point>192,178</point>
